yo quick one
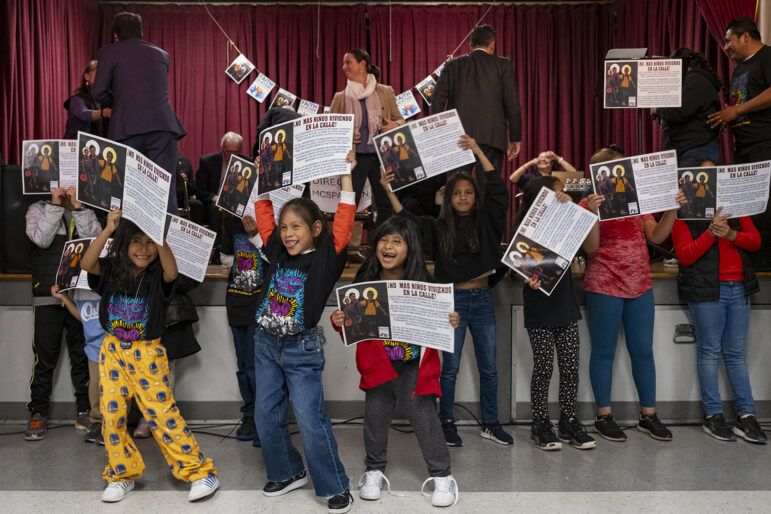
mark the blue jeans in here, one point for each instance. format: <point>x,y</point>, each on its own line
<point>476,310</point>
<point>291,367</point>
<point>605,315</point>
<point>721,329</point>
<point>243,340</point>
<point>696,156</point>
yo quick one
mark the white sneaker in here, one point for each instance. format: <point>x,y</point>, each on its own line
<point>370,484</point>
<point>116,491</point>
<point>445,491</point>
<point>202,488</point>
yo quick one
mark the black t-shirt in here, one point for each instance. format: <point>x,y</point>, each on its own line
<point>246,273</point>
<point>749,79</point>
<point>299,286</point>
<point>558,310</point>
<point>137,315</point>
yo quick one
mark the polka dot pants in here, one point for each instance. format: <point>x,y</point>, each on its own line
<point>544,341</point>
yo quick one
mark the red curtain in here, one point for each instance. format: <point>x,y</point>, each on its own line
<point>717,13</point>
<point>46,45</point>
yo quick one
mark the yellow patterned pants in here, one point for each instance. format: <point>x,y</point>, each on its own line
<point>142,372</point>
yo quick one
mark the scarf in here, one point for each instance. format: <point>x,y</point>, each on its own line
<point>354,92</point>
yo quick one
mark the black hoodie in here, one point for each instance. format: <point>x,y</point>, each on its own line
<point>686,127</point>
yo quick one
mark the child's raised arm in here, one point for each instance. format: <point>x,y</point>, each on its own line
<point>66,301</point>
<point>90,260</point>
<point>385,180</point>
<point>342,227</point>
<point>168,262</point>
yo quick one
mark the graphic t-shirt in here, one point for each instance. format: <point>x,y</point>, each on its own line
<point>398,351</point>
<point>136,315</point>
<point>246,274</point>
<point>749,79</point>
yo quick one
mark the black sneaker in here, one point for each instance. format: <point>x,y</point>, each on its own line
<point>340,503</point>
<point>94,431</point>
<point>256,440</point>
<point>570,430</point>
<point>36,428</point>
<point>650,424</point>
<point>717,427</point>
<point>748,429</point>
<point>451,434</point>
<point>608,428</point>
<point>247,429</point>
<point>542,434</point>
<point>495,432</point>
<point>279,488</point>
<point>83,421</point>
<point>100,438</point>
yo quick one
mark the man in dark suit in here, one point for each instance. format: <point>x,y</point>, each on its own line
<point>483,88</point>
<point>211,171</point>
<point>132,78</point>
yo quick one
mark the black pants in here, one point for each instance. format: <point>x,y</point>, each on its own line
<point>761,260</point>
<point>50,322</point>
<point>368,166</point>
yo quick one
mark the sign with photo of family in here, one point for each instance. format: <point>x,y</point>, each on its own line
<point>407,104</point>
<point>48,164</point>
<point>547,239</point>
<point>422,148</point>
<point>642,184</point>
<point>643,83</point>
<point>239,68</point>
<point>741,189</point>
<point>236,188</point>
<point>69,275</point>
<point>112,175</point>
<point>402,313</point>
<point>304,149</point>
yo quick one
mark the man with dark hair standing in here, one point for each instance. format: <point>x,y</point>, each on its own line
<point>483,88</point>
<point>132,78</point>
<point>749,112</point>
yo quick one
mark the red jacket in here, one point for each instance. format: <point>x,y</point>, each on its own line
<point>375,367</point>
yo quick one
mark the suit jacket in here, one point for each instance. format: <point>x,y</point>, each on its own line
<point>483,88</point>
<point>207,178</point>
<point>387,98</point>
<point>132,78</point>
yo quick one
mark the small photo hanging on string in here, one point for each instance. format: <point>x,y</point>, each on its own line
<point>283,98</point>
<point>439,70</point>
<point>307,108</point>
<point>327,109</point>
<point>408,106</point>
<point>426,88</point>
<point>261,88</point>
<point>239,68</point>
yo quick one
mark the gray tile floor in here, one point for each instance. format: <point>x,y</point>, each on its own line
<point>492,475</point>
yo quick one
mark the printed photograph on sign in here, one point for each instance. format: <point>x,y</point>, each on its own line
<point>69,266</point>
<point>237,185</point>
<point>283,98</point>
<point>699,185</point>
<point>534,261</point>
<point>239,68</point>
<point>40,169</point>
<point>276,151</point>
<point>620,84</point>
<point>615,181</point>
<point>397,150</point>
<point>366,312</point>
<point>101,172</point>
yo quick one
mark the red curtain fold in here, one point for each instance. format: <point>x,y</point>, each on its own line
<point>717,13</point>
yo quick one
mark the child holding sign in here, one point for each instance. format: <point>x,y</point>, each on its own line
<point>410,377</point>
<point>136,281</point>
<point>552,323</point>
<point>305,263</point>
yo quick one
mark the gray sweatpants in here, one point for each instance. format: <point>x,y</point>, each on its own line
<point>379,406</point>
